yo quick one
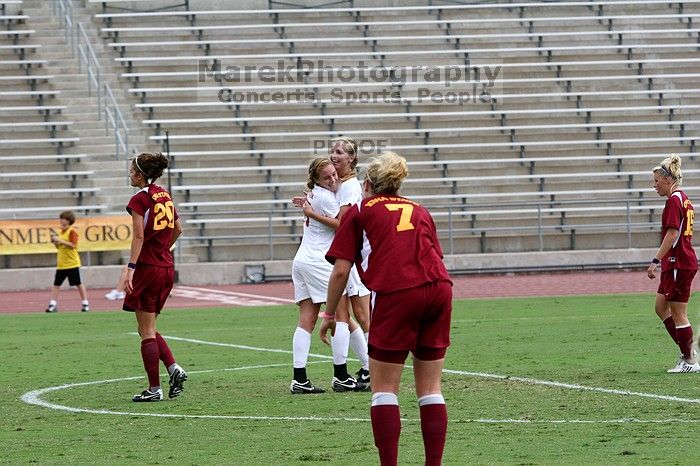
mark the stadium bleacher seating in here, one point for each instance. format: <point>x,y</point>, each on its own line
<point>39,176</point>
<point>545,141</point>
<point>577,113</point>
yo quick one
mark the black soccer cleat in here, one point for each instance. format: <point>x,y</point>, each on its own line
<point>177,379</point>
<point>148,395</point>
<point>362,376</point>
<point>301,388</point>
<point>51,308</point>
<point>348,385</point>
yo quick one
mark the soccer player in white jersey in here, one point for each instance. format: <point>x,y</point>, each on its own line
<point>344,156</point>
<point>310,270</point>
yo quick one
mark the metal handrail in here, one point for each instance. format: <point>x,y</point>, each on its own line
<point>87,57</point>
<point>63,9</point>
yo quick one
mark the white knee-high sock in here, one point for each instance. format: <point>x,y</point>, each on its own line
<point>301,344</point>
<point>340,342</point>
<point>359,347</point>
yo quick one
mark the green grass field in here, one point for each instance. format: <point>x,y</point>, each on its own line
<point>613,404</point>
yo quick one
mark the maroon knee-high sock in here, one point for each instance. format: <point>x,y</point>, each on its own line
<point>386,428</point>
<point>684,337</point>
<point>149,354</point>
<point>433,424</point>
<point>165,354</point>
<point>670,327</point>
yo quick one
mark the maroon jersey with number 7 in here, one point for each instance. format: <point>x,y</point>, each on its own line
<point>156,207</point>
<point>678,214</point>
<point>393,242</point>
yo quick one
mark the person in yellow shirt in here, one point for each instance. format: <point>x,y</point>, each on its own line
<point>67,261</point>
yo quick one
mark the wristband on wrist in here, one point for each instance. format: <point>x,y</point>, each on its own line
<point>325,315</point>
<point>131,265</point>
<point>655,261</point>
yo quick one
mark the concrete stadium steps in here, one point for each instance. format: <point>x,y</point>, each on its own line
<point>535,68</point>
<point>497,237</point>
<point>544,169</point>
<point>235,250</point>
<point>584,240</point>
<point>446,154</point>
<point>24,192</point>
<point>25,202</point>
<point>245,250</point>
<point>543,104</point>
<point>284,207</point>
<point>483,137</point>
<point>82,106</point>
<point>242,249</point>
<point>465,189</point>
<point>519,123</point>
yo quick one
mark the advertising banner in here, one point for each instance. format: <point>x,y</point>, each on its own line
<point>99,233</point>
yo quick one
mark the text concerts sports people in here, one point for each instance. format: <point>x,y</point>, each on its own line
<point>400,261</point>
<point>678,262</point>
<point>148,278</point>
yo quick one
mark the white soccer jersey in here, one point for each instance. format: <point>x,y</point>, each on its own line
<point>349,192</point>
<point>317,236</point>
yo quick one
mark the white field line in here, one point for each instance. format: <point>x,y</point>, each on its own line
<point>34,397</point>
<point>526,380</point>
<point>227,297</point>
<point>571,386</point>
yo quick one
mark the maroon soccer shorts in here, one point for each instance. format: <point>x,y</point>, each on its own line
<point>416,319</point>
<point>152,287</point>
<point>675,284</point>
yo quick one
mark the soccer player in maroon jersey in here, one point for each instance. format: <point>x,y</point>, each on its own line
<point>149,276</point>
<point>393,242</point>
<point>679,263</point>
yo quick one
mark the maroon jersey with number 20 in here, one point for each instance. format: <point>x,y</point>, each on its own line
<point>393,242</point>
<point>158,210</point>
<point>678,214</point>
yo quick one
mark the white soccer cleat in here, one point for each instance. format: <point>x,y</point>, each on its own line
<point>148,395</point>
<point>177,379</point>
<point>684,366</point>
<point>115,294</point>
<point>693,357</point>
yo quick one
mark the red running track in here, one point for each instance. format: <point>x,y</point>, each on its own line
<point>558,284</point>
